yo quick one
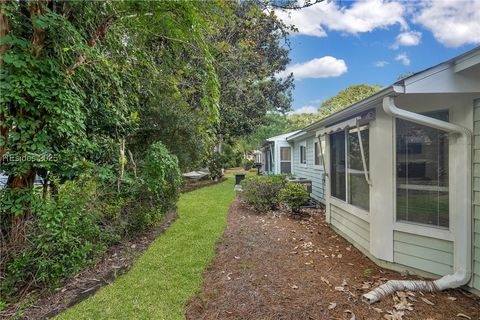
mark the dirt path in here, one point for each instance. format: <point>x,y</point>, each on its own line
<point>282,268</point>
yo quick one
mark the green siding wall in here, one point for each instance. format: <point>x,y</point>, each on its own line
<point>423,253</point>
<point>476,196</point>
<point>309,171</point>
<point>355,228</point>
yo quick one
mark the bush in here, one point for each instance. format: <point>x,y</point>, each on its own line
<point>68,231</point>
<point>162,182</point>
<point>262,191</point>
<point>294,195</point>
<point>215,166</point>
<point>64,236</point>
<point>248,164</point>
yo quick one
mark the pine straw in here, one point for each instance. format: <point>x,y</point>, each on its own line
<point>279,267</point>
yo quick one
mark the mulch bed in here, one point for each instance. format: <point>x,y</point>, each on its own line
<point>116,261</point>
<point>279,267</point>
<point>197,184</point>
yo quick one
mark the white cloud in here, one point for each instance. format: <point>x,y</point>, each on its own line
<point>402,57</point>
<point>305,109</point>
<point>361,16</point>
<point>407,38</point>
<point>453,23</point>
<point>380,64</point>
<point>324,67</point>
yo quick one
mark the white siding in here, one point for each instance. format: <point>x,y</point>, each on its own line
<point>423,253</point>
<point>356,229</point>
<point>309,171</point>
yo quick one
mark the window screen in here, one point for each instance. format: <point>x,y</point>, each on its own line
<point>337,163</point>
<point>285,160</point>
<point>422,172</point>
<point>285,154</point>
<point>318,154</point>
<point>303,154</point>
<point>359,191</point>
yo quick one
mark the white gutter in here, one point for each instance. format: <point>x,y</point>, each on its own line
<point>462,216</point>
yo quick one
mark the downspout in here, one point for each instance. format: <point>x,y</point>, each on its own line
<point>462,268</point>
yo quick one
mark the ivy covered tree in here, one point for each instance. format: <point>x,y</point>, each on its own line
<point>347,97</point>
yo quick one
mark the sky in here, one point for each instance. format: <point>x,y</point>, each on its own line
<point>342,43</point>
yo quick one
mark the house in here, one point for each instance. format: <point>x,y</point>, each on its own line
<point>308,161</point>
<point>401,172</point>
<point>277,155</point>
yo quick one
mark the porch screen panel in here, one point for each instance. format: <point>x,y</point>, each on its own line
<point>337,165</point>
<point>359,189</point>
<point>285,160</point>
<point>422,172</point>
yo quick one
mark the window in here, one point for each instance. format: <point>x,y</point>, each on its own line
<point>348,179</point>
<point>285,160</point>
<point>337,154</point>
<point>422,172</point>
<point>303,154</point>
<point>318,153</point>
<point>359,192</point>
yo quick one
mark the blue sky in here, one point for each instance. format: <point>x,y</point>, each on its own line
<point>374,42</point>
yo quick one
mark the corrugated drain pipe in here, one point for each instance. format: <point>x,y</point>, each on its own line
<point>461,217</point>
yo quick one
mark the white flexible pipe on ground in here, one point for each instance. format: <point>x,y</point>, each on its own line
<point>463,216</point>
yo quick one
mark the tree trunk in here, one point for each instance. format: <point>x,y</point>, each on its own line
<point>4,31</point>
<point>17,233</point>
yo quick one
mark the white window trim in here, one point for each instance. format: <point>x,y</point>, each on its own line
<point>350,208</point>
<point>432,231</point>
<point>423,229</point>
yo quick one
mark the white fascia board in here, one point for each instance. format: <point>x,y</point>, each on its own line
<point>467,62</point>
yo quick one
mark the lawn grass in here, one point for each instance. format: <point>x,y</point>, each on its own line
<point>170,271</point>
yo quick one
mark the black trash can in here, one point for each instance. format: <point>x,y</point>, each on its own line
<point>258,165</point>
<point>239,177</point>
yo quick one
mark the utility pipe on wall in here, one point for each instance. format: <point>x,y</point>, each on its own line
<point>462,229</point>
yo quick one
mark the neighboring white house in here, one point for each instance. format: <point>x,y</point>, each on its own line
<point>402,180</point>
<point>308,161</point>
<point>277,154</point>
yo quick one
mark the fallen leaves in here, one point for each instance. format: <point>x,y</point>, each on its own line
<point>394,315</point>
<point>351,313</point>
<point>326,281</point>
<point>332,306</point>
<point>427,301</point>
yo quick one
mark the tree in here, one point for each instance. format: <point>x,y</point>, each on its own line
<point>250,48</point>
<point>45,97</point>
<point>347,97</point>
<point>299,121</point>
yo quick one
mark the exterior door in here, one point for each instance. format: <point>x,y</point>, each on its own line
<point>286,160</point>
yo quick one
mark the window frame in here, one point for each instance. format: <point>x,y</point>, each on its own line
<point>302,159</point>
<point>316,144</point>
<point>435,231</point>
<point>352,207</point>
<point>285,161</point>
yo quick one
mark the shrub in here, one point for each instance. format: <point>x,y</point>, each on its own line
<point>215,166</point>
<point>162,178</point>
<point>262,191</point>
<point>248,164</point>
<point>64,235</point>
<point>294,195</point>
<point>68,231</point>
